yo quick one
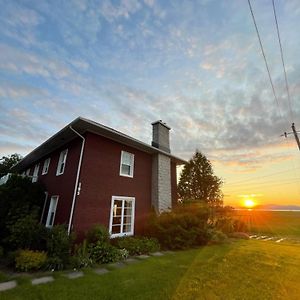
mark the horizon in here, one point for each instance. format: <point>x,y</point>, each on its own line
<point>195,65</point>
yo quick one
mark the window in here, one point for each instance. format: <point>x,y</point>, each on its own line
<point>46,166</point>
<point>127,164</point>
<point>122,216</point>
<point>51,211</point>
<point>28,172</point>
<point>62,162</point>
<point>35,173</point>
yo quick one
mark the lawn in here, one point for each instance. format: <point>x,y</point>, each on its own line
<point>276,223</point>
<point>245,269</point>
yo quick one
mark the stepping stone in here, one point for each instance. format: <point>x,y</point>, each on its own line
<point>74,275</point>
<point>252,236</point>
<point>40,280</point>
<point>268,239</point>
<point>117,265</point>
<point>280,240</point>
<point>261,237</point>
<point>131,261</point>
<point>143,256</point>
<point>7,285</point>
<point>101,271</point>
<point>157,254</point>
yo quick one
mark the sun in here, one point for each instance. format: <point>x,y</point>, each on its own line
<point>249,203</point>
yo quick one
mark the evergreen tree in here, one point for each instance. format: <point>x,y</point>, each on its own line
<point>198,182</point>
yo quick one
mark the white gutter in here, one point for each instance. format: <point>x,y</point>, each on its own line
<point>77,179</point>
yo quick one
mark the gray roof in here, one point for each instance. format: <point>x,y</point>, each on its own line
<point>83,125</point>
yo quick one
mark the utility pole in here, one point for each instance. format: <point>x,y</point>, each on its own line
<point>295,133</point>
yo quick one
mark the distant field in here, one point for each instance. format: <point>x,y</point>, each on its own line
<point>245,269</point>
<point>279,223</point>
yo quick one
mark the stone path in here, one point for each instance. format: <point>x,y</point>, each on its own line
<point>4,286</point>
<point>266,238</point>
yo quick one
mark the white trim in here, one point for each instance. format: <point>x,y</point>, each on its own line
<point>77,179</point>
<point>46,166</point>
<point>27,172</point>
<point>62,160</point>
<point>52,209</point>
<point>123,199</point>
<point>131,166</point>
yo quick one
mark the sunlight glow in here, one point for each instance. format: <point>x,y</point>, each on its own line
<point>249,203</point>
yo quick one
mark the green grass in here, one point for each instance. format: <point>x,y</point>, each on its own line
<point>239,270</point>
<point>277,223</point>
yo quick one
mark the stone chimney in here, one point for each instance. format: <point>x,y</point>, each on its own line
<point>160,136</point>
<point>161,169</point>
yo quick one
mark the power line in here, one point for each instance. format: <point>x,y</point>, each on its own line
<point>282,60</point>
<point>269,175</point>
<point>264,56</point>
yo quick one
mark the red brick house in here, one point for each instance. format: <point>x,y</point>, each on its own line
<point>94,174</point>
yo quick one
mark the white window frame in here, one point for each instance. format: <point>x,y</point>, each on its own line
<point>46,166</point>
<point>52,208</point>
<point>62,160</point>
<point>27,172</point>
<point>35,175</point>
<point>123,199</point>
<point>131,165</point>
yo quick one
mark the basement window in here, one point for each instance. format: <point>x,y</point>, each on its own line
<point>61,162</point>
<point>122,216</point>
<point>127,164</point>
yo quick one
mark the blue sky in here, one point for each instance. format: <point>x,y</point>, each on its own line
<point>194,64</point>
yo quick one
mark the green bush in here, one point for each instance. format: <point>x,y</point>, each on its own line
<point>98,233</point>
<point>137,245</point>
<point>59,245</point>
<point>239,235</point>
<point>103,253</point>
<point>217,236</point>
<point>82,257</point>
<point>27,233</point>
<point>183,228</point>
<point>28,260</point>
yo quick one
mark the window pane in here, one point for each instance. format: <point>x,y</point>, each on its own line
<point>125,169</point>
<point>127,211</point>
<point>127,219</point>
<point>116,229</point>
<point>126,228</point>
<point>126,158</point>
<point>117,220</point>
<point>128,203</point>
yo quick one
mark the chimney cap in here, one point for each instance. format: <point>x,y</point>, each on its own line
<point>162,123</point>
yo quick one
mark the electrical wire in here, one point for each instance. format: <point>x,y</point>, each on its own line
<point>282,60</point>
<point>264,56</point>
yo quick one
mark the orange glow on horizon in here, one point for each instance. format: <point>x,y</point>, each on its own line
<point>249,203</point>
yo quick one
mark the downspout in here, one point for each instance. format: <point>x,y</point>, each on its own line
<point>77,178</point>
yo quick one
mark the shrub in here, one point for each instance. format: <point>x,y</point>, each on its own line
<point>240,226</point>
<point>27,233</point>
<point>81,257</point>
<point>137,245</point>
<point>217,236</point>
<point>123,254</point>
<point>28,260</point>
<point>239,235</point>
<point>59,245</point>
<point>98,233</point>
<point>183,228</point>
<point>103,253</point>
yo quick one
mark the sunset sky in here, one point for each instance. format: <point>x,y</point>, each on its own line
<point>196,65</point>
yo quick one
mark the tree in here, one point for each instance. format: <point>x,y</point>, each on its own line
<point>198,182</point>
<point>6,162</point>
<point>19,197</point>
